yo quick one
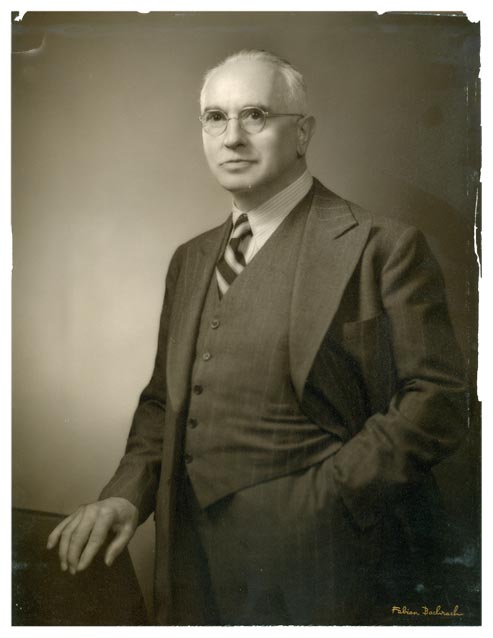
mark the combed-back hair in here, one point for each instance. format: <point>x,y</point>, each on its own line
<point>296,98</point>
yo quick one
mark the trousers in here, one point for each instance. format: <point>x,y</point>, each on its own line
<point>282,552</point>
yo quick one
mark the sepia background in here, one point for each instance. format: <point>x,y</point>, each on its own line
<point>108,178</point>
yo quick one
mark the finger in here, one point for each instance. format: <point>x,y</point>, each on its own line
<point>65,539</point>
<point>95,541</point>
<point>119,543</point>
<point>79,537</point>
<point>55,534</point>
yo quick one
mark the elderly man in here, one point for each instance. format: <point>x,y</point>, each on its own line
<point>306,381</point>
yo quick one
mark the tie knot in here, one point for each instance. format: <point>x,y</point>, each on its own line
<point>241,228</point>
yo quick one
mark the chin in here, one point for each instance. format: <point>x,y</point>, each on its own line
<point>235,184</point>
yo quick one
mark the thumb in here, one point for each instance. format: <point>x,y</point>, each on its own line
<point>118,544</point>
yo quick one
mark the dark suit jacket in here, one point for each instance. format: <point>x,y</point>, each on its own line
<point>369,334</point>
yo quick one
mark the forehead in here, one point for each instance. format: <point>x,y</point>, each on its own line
<point>244,83</point>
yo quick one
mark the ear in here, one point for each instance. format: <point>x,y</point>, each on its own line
<point>306,128</point>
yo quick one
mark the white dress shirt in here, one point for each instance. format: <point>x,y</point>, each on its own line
<point>267,217</point>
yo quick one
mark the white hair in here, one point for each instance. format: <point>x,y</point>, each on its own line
<point>296,98</point>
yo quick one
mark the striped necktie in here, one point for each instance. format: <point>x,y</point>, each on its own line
<point>233,260</point>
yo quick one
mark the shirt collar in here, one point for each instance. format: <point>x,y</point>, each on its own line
<point>277,207</point>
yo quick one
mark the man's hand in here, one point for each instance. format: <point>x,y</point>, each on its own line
<point>82,534</point>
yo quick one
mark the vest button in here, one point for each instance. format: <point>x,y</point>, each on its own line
<point>193,423</point>
<point>206,356</point>
<point>188,458</point>
<point>197,389</point>
<point>215,324</point>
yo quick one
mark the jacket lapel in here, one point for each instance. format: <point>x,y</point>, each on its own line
<point>330,249</point>
<point>196,270</point>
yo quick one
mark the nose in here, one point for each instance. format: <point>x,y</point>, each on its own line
<point>234,135</point>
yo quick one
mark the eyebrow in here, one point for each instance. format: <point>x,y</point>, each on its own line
<point>262,106</point>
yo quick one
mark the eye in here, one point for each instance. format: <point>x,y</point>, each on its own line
<point>252,114</point>
<point>214,116</point>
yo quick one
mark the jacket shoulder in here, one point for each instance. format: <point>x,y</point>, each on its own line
<point>385,230</point>
<point>387,236</point>
<point>384,225</point>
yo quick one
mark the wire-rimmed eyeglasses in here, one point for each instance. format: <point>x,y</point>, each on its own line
<point>252,119</point>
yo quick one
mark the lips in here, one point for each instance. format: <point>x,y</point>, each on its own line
<point>232,162</point>
<point>236,166</point>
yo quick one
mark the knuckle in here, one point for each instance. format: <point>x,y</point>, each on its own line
<point>105,510</point>
<point>127,530</point>
<point>76,537</point>
<point>74,544</point>
<point>94,541</point>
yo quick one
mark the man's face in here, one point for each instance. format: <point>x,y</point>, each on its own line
<point>257,165</point>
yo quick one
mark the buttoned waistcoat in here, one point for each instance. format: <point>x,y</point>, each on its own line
<point>245,423</point>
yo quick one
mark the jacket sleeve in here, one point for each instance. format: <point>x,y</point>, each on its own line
<point>137,475</point>
<point>425,418</point>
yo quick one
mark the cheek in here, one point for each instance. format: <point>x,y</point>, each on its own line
<point>280,154</point>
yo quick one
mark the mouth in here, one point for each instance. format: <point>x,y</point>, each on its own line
<point>237,162</point>
<point>236,165</point>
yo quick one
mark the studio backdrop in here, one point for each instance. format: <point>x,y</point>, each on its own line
<point>109,177</point>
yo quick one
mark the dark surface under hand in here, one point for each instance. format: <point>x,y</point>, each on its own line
<point>44,595</point>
